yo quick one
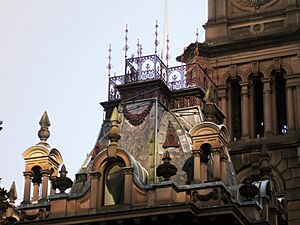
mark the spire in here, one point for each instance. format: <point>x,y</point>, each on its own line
<point>109,65</point>
<point>166,32</point>
<point>44,133</point>
<point>13,193</point>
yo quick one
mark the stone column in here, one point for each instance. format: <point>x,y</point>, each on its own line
<point>245,109</point>
<point>95,189</point>
<point>216,165</point>
<point>223,96</point>
<point>27,185</point>
<point>224,159</point>
<point>35,197</point>
<point>45,176</point>
<point>197,161</point>
<point>211,10</point>
<point>267,106</point>
<point>291,109</point>
<point>128,181</point>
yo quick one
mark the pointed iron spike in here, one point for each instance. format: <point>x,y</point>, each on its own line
<point>44,121</point>
<point>197,35</point>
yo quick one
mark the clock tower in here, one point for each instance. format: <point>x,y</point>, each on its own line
<point>239,19</point>
<point>252,52</point>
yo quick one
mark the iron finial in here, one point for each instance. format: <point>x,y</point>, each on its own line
<point>197,35</point>
<point>109,65</point>
<point>168,50</point>
<point>156,42</point>
<point>126,46</point>
<point>139,48</point>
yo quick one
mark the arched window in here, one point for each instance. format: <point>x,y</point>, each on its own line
<point>279,89</point>
<point>206,158</point>
<point>114,183</point>
<point>257,109</point>
<point>235,108</point>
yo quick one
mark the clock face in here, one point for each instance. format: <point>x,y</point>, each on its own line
<point>250,4</point>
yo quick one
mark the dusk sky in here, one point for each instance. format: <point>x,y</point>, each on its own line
<point>53,57</point>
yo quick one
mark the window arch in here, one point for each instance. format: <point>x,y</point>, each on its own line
<point>279,90</point>
<point>114,183</point>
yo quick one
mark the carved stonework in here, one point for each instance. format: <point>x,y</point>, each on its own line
<point>171,137</point>
<point>166,170</point>
<point>254,67</point>
<point>233,71</point>
<point>252,4</point>
<point>277,64</point>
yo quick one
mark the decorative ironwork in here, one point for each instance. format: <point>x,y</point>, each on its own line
<point>137,119</point>
<point>151,67</point>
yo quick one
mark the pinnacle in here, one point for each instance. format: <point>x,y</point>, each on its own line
<point>45,122</point>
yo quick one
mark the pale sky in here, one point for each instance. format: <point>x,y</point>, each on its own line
<point>53,57</point>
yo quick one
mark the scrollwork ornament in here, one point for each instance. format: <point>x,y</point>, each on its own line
<point>252,4</point>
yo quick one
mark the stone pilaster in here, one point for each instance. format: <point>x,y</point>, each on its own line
<point>224,159</point>
<point>128,182</point>
<point>216,164</point>
<point>197,161</point>
<point>95,190</point>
